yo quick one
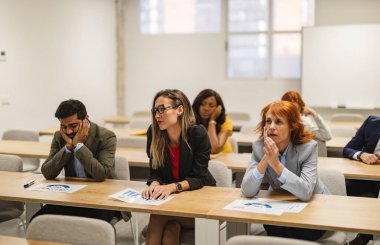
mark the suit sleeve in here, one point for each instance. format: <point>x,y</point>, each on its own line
<point>303,186</point>
<point>201,150</point>
<point>356,143</point>
<point>100,167</point>
<point>250,185</point>
<point>153,173</point>
<point>56,160</point>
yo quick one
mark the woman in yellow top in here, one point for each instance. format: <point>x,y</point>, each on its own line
<point>210,112</point>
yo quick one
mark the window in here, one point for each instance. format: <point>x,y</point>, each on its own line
<point>264,37</point>
<point>180,16</point>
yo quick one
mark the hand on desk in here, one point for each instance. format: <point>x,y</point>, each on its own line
<point>157,192</point>
<point>369,158</point>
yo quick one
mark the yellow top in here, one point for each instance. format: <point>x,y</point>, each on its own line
<point>227,126</point>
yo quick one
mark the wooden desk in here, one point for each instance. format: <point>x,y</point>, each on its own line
<point>344,124</point>
<point>118,119</point>
<point>206,206</point>
<point>246,140</point>
<point>136,157</point>
<point>120,132</point>
<point>23,241</point>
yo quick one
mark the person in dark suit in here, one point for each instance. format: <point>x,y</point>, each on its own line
<point>83,149</point>
<point>179,152</point>
<point>365,147</point>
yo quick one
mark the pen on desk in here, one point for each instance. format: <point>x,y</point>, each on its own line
<point>29,184</point>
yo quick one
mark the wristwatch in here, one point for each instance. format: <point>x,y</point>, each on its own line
<point>178,187</point>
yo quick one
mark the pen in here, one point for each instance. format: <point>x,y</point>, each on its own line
<point>29,184</point>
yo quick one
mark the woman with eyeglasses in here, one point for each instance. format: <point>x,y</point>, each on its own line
<point>210,112</point>
<point>179,152</point>
<point>287,156</point>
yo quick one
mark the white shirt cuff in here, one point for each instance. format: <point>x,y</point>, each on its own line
<point>283,176</point>
<point>257,174</point>
<point>355,156</point>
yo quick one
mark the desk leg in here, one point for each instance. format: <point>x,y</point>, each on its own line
<point>30,210</point>
<point>207,231</point>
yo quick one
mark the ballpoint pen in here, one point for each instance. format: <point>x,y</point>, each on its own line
<point>29,184</point>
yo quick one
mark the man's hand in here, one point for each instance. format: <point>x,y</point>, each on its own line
<point>68,140</point>
<point>82,133</point>
<point>369,158</point>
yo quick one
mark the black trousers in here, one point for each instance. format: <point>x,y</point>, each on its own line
<point>105,215</point>
<point>292,232</point>
<point>358,187</point>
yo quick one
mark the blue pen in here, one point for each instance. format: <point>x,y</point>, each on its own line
<point>29,184</point>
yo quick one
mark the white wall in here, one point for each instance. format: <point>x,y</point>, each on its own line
<point>194,62</point>
<point>190,63</point>
<point>56,50</point>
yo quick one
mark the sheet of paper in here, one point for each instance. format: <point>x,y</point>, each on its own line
<point>56,187</point>
<point>130,195</point>
<point>266,206</point>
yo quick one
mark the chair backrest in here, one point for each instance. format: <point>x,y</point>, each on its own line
<point>234,144</point>
<point>248,128</point>
<point>132,142</point>
<point>333,180</point>
<point>9,209</point>
<point>322,149</point>
<point>71,229</point>
<point>140,123</point>
<point>142,114</point>
<point>221,173</point>
<point>10,163</point>
<point>122,168</point>
<point>16,134</point>
<point>30,164</point>
<point>350,117</point>
<point>239,116</point>
<point>266,240</point>
<point>342,131</point>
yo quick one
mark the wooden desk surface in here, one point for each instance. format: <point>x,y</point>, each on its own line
<point>326,212</point>
<point>344,124</point>
<point>118,119</point>
<point>246,139</point>
<point>120,132</point>
<point>136,157</point>
<point>323,211</point>
<point>6,240</point>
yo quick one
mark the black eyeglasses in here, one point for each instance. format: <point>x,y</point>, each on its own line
<point>161,109</point>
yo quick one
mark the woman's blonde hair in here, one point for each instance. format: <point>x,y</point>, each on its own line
<point>160,138</point>
<point>286,109</point>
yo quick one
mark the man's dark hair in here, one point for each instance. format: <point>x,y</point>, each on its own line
<point>71,107</point>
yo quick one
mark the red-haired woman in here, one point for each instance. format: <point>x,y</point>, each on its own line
<point>287,156</point>
<point>312,120</point>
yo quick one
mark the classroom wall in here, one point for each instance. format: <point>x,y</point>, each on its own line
<point>194,62</point>
<point>56,50</point>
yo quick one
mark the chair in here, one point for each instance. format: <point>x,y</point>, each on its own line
<point>142,114</point>
<point>132,142</point>
<point>71,229</point>
<point>239,116</point>
<point>122,173</point>
<point>266,240</point>
<point>347,117</point>
<point>8,209</point>
<point>140,123</point>
<point>342,131</point>
<point>234,144</point>
<point>247,129</point>
<point>336,184</point>
<point>322,149</point>
<point>29,164</point>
